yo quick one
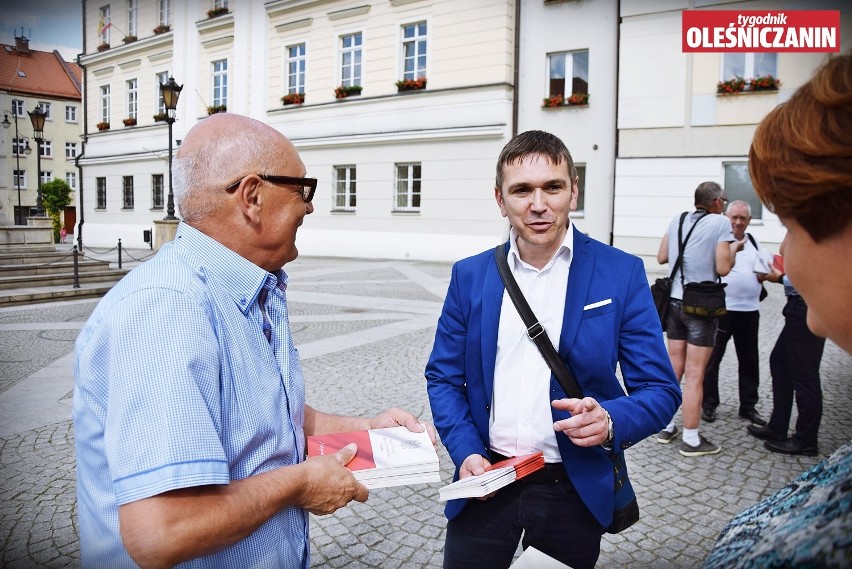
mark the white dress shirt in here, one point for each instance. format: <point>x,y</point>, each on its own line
<point>521,421</point>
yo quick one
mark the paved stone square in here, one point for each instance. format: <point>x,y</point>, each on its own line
<point>364,330</point>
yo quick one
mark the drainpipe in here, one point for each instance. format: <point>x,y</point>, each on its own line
<point>617,95</point>
<point>516,72</point>
<point>85,139</point>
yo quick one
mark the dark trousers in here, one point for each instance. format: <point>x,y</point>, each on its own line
<point>550,515</point>
<point>743,327</point>
<point>794,364</point>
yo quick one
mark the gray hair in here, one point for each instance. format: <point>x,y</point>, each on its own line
<point>706,193</point>
<point>738,203</point>
<point>201,174</point>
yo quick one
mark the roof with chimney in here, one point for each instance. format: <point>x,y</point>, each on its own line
<point>26,71</point>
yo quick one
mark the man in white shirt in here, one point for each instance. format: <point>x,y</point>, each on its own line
<point>742,322</point>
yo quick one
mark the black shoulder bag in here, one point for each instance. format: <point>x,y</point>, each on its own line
<point>763,291</point>
<point>626,508</point>
<point>661,290</point>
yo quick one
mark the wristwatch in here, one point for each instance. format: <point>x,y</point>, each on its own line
<point>610,433</point>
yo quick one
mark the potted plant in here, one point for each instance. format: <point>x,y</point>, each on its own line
<point>731,86</point>
<point>103,46</point>
<point>293,98</point>
<point>103,125</point>
<point>162,28</point>
<point>129,121</point>
<point>344,91</point>
<point>554,101</point>
<point>764,83</point>
<point>129,39</point>
<point>160,117</point>
<point>578,99</point>
<point>411,84</point>
<point>220,11</point>
<point>212,110</point>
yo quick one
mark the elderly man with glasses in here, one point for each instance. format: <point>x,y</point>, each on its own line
<point>710,252</point>
<point>189,400</point>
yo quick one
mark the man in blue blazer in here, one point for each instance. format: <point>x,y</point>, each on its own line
<point>493,396</point>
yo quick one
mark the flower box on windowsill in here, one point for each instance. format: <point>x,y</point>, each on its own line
<point>129,39</point>
<point>102,126</point>
<point>411,84</point>
<point>293,99</point>
<point>160,117</point>
<point>574,100</point>
<point>765,83</point>
<point>731,86</point>
<point>103,46</point>
<point>130,121</point>
<point>217,12</point>
<point>217,109</point>
<point>162,28</point>
<point>344,91</point>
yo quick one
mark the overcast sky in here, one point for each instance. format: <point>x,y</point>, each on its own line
<point>50,24</point>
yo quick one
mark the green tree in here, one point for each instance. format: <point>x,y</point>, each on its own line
<point>55,197</point>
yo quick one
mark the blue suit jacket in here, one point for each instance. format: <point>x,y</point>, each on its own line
<point>460,371</point>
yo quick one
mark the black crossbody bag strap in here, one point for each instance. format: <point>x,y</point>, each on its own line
<point>535,330</point>
<point>681,245</point>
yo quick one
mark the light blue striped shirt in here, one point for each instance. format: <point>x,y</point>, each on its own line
<point>175,386</point>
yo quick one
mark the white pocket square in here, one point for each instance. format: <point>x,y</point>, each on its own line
<point>597,304</point>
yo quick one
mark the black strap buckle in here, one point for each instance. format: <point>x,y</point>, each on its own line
<point>535,330</point>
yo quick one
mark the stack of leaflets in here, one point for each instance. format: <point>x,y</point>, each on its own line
<point>495,477</point>
<point>393,456</point>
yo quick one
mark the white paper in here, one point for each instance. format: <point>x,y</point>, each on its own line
<point>532,558</point>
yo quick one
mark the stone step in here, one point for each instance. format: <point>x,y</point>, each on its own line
<point>35,295</point>
<point>60,279</point>
<point>53,268</point>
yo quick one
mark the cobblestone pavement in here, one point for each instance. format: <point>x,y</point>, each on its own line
<point>364,329</point>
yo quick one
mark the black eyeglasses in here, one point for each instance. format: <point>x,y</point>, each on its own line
<point>308,185</point>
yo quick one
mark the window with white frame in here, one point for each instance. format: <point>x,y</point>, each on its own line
<point>70,113</point>
<point>71,180</point>
<point>581,187</point>
<point>46,109</point>
<point>219,4</point>
<point>132,98</point>
<point>749,66</point>
<point>19,179</point>
<point>568,73</point>
<point>157,191</point>
<point>100,193</point>
<point>132,17</point>
<point>738,186</point>
<point>127,191</point>
<point>45,176</point>
<point>350,60</point>
<point>407,187</point>
<point>104,100</point>
<point>414,43</point>
<point>17,108</point>
<point>344,187</point>
<point>19,146</point>
<point>46,149</point>
<point>296,62</point>
<point>162,78</point>
<point>103,23</point>
<point>220,83</point>
<point>70,150</point>
<point>164,12</point>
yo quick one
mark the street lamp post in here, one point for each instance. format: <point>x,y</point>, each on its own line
<point>171,92</point>
<point>17,145</point>
<point>37,117</point>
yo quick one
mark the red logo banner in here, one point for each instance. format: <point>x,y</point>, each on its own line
<point>758,30</point>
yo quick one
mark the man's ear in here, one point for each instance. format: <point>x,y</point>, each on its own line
<point>249,198</point>
<point>499,197</point>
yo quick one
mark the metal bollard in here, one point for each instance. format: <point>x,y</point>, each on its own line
<point>76,269</point>
<point>119,253</point>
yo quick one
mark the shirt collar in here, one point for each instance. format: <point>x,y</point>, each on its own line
<point>566,248</point>
<point>241,279</point>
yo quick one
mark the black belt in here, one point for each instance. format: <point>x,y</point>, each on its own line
<point>552,471</point>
